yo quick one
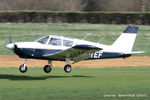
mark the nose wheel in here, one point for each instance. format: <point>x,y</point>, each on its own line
<point>23,68</point>
<point>67,68</point>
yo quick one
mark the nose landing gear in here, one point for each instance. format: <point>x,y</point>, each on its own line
<point>23,68</point>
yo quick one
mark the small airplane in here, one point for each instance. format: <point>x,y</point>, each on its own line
<point>61,48</point>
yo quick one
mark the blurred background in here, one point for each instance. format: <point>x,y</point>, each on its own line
<point>77,5</point>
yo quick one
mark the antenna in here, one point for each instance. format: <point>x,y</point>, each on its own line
<point>86,36</point>
<point>101,39</point>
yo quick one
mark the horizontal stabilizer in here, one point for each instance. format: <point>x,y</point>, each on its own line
<point>135,52</point>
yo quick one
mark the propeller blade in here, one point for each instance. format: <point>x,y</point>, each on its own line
<point>10,40</point>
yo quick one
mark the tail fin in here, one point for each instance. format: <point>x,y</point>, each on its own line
<point>126,40</point>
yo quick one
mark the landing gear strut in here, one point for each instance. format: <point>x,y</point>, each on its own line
<point>48,68</point>
<point>67,67</point>
<point>23,68</point>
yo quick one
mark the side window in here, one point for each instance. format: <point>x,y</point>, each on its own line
<point>67,43</point>
<point>55,41</point>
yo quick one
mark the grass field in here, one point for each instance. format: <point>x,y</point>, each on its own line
<point>81,84</point>
<point>32,31</point>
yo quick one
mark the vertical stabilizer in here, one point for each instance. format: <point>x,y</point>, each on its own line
<point>126,40</point>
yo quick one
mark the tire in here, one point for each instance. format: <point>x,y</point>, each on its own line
<point>67,68</point>
<point>23,69</point>
<point>47,68</point>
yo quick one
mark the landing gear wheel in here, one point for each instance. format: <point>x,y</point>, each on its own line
<point>47,68</point>
<point>67,68</point>
<point>23,68</point>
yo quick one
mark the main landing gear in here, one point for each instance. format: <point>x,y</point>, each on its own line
<point>48,68</point>
<point>67,67</point>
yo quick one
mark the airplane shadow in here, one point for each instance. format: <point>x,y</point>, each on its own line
<point>21,77</point>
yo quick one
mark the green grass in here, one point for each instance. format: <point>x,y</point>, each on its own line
<point>80,84</point>
<point>32,31</point>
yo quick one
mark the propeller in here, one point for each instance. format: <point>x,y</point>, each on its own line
<point>11,45</point>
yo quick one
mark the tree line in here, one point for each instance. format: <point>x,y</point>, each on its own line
<point>77,5</point>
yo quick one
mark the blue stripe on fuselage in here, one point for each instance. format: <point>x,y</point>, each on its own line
<point>38,54</point>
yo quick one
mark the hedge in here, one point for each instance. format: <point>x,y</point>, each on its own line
<point>75,17</point>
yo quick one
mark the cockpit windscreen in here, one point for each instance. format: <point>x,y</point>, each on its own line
<point>43,40</point>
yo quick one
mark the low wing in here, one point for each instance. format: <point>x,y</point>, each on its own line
<point>76,53</point>
<point>137,52</point>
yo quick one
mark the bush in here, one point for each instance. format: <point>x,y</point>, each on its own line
<point>75,17</point>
